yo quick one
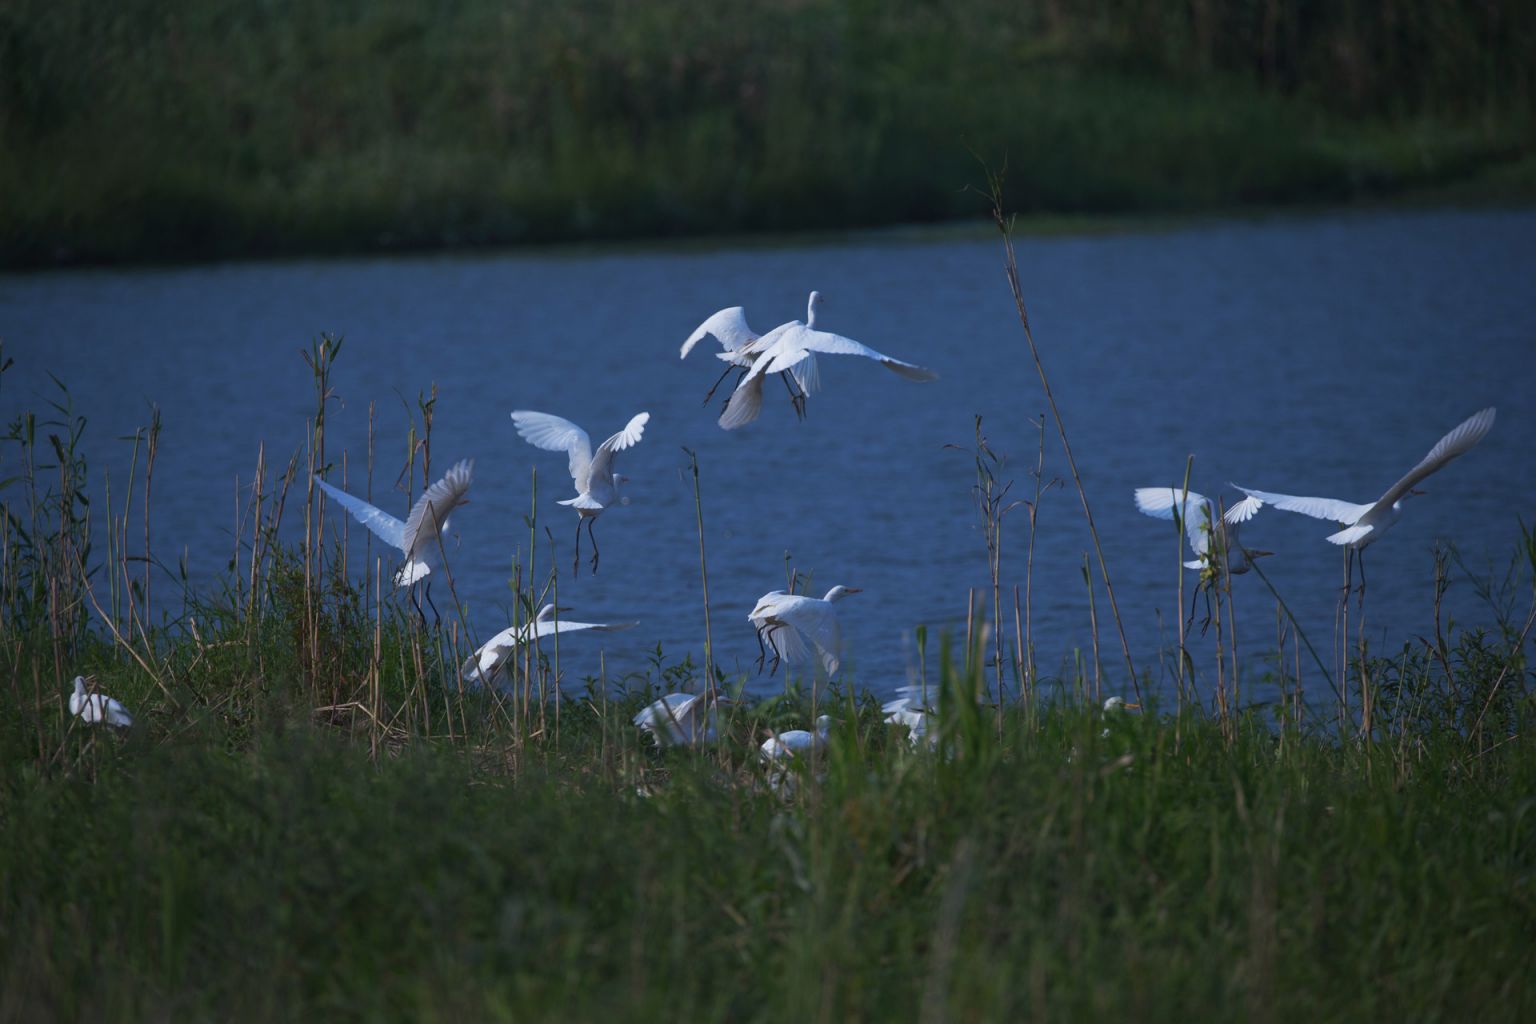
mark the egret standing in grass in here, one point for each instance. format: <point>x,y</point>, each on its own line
<point>737,340</point>
<point>484,665</point>
<point>597,485</point>
<point>93,708</point>
<point>792,625</point>
<point>1363,523</point>
<point>420,537</point>
<point>786,347</point>
<point>782,746</point>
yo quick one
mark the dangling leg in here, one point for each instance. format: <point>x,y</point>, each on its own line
<point>762,652</point>
<point>796,394</point>
<point>416,603</point>
<point>576,562</point>
<point>593,538</point>
<point>437,619</point>
<point>1360,555</point>
<point>721,379</point>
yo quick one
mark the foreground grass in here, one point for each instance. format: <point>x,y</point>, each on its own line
<point>190,871</point>
<point>220,129</point>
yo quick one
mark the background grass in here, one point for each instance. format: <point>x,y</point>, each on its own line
<point>179,129</point>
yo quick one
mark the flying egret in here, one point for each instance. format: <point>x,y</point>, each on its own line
<point>788,345</point>
<point>1363,523</point>
<point>783,746</point>
<point>97,707</point>
<point>737,339</point>
<point>420,537</point>
<point>597,485</point>
<point>485,663</point>
<point>1202,527</point>
<point>787,621</point>
<point>680,719</point>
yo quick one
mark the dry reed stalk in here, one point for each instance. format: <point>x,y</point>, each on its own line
<point>698,510</point>
<point>1093,623</point>
<point>1011,268</point>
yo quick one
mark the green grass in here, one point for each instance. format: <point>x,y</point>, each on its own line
<point>221,129</point>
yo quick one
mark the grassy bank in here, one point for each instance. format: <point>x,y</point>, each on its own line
<point>205,130</point>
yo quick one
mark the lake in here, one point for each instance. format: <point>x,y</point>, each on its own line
<point>1313,355</point>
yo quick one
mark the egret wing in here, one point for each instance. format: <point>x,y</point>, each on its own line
<point>728,326</point>
<point>431,509</point>
<point>1193,510</point>
<point>797,344</point>
<point>818,622</point>
<point>602,463</point>
<point>383,525</point>
<point>556,434</point>
<point>1466,434</point>
<point>1332,509</point>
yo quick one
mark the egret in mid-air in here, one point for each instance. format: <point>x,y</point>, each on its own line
<point>786,347</point>
<point>97,707</point>
<point>793,624</point>
<point>597,485</point>
<point>420,537</point>
<point>1213,538</point>
<point>1363,523</point>
<point>912,710</point>
<point>737,340</point>
<point>484,665</point>
<point>680,719</point>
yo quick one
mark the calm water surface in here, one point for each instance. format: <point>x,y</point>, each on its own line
<point>1320,356</point>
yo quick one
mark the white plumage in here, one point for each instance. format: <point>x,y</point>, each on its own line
<point>783,746</point>
<point>679,719</point>
<point>1363,523</point>
<point>97,707</point>
<point>793,625</point>
<point>597,484</point>
<point>484,665</point>
<point>419,537</point>
<point>789,345</point>
<point>1209,536</point>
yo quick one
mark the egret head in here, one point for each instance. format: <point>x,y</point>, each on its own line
<point>1115,704</point>
<point>823,723</point>
<point>840,591</point>
<point>79,686</point>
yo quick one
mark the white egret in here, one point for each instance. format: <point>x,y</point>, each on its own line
<point>736,337</point>
<point>420,537</point>
<point>1209,535</point>
<point>783,746</point>
<point>680,719</point>
<point>97,707</point>
<point>786,347</point>
<point>920,720</point>
<point>597,485</point>
<point>787,621</point>
<point>1114,707</point>
<point>1363,523</point>
<point>485,663</point>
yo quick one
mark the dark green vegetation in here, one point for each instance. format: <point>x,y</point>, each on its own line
<point>149,129</point>
<point>311,821</point>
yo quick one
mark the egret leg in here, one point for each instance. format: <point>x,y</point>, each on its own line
<point>576,562</point>
<point>416,603</point>
<point>796,395</point>
<point>437,619</point>
<point>720,380</point>
<point>1360,555</point>
<point>762,652</point>
<point>593,538</point>
<point>777,657</point>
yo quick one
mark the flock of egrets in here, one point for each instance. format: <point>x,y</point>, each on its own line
<point>795,628</point>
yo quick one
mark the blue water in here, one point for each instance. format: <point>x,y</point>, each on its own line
<point>1319,355</point>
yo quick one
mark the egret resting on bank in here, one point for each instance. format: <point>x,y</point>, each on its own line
<point>785,622</point>
<point>597,485</point>
<point>1210,539</point>
<point>1365,522</point>
<point>420,537</point>
<point>729,327</point>
<point>97,707</point>
<point>484,664</point>
<point>788,345</point>
<point>782,746</point>
<point>680,719</point>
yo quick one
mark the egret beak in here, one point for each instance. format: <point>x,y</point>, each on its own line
<point>1260,554</point>
<point>854,590</point>
<point>1131,707</point>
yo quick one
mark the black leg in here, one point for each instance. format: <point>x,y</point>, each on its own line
<point>727,372</point>
<point>576,562</point>
<point>796,395</point>
<point>593,538</point>
<point>416,603</point>
<point>1360,556</point>
<point>437,619</point>
<point>762,652</point>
